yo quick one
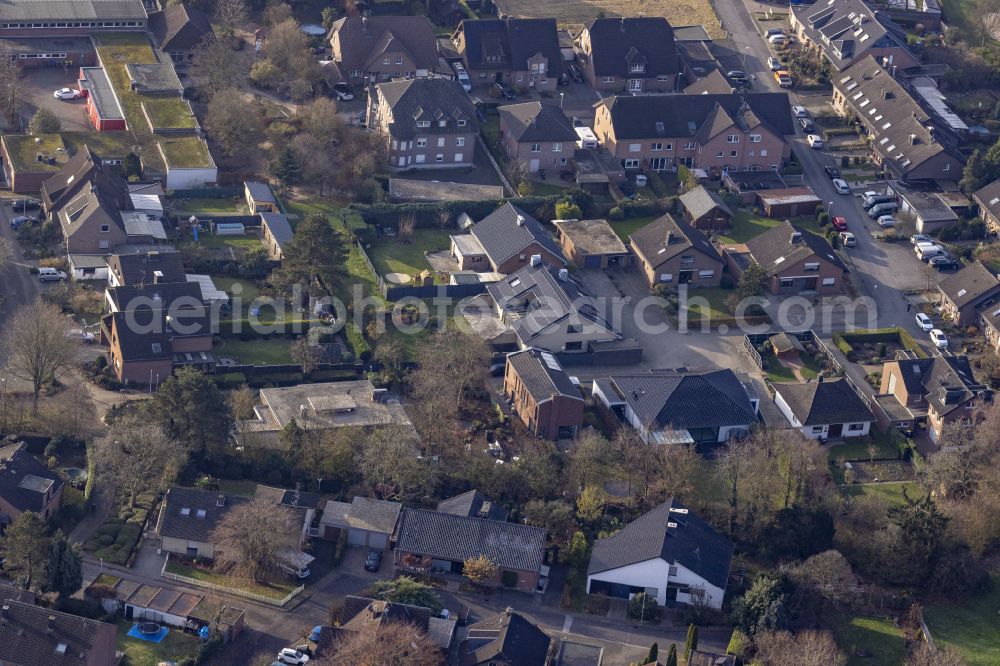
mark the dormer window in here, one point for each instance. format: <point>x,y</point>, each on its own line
<point>423,123</point>
<point>201,513</point>
<point>442,123</point>
<point>385,60</point>
<point>399,60</point>
<point>637,68</point>
<point>105,228</point>
<point>462,123</point>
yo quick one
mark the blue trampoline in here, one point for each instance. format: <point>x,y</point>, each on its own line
<point>153,632</point>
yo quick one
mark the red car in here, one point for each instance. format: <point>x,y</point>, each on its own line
<point>840,223</point>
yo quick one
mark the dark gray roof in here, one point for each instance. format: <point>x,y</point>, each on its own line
<point>77,10</point>
<point>544,300</point>
<point>616,43</point>
<point>179,27</point>
<point>456,538</point>
<point>701,201</point>
<point>832,28</point>
<point>898,123</point>
<point>164,294</point>
<point>278,225</point>
<point>82,170</point>
<point>534,121</point>
<point>502,237</point>
<point>651,241</point>
<point>144,267</point>
<point>685,401</point>
<point>260,192</point>
<point>693,544</point>
<point>505,638</point>
<point>360,613</point>
<point>473,504</point>
<point>145,333</point>
<point>24,481</point>
<point>363,40</point>
<point>433,100</point>
<point>649,116</point>
<point>496,44</point>
<point>945,381</point>
<point>36,636</point>
<point>823,402</point>
<point>713,83</point>
<point>989,198</point>
<point>179,517</point>
<point>776,249</point>
<point>968,285</point>
<point>542,375</point>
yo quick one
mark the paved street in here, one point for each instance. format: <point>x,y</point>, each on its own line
<point>20,287</point>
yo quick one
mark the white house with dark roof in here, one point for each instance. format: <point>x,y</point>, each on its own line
<point>668,553</point>
<point>823,409</point>
<point>665,406</point>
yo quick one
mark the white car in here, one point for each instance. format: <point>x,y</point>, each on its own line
<point>924,322</point>
<point>870,193</point>
<point>773,64</point>
<point>917,239</point>
<point>886,221</point>
<point>848,239</point>
<point>777,40</point>
<point>343,92</point>
<point>80,334</point>
<point>293,657</point>
<point>67,93</point>
<point>814,141</point>
<point>939,339</point>
<point>841,186</point>
<point>800,111</point>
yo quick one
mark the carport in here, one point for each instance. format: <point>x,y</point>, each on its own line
<point>369,523</point>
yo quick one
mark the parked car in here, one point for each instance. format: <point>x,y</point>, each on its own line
<point>783,78</point>
<point>928,252</point>
<point>50,275</point>
<point>878,210</point>
<point>342,91</point>
<point>25,204</point>
<point>373,561</point>
<point>315,633</point>
<point>773,64</point>
<point>814,141</point>
<point>497,369</point>
<point>832,171</point>
<point>943,262</point>
<point>293,657</point>
<point>771,32</point>
<point>848,239</point>
<point>924,322</point>
<point>920,238</point>
<point>67,93</point>
<point>575,73</point>
<point>82,335</point>
<point>886,221</point>
<point>878,199</point>
<point>841,186</point>
<point>563,79</point>
<point>736,75</point>
<point>800,111</point>
<point>21,220</point>
<point>840,223</point>
<point>807,125</point>
<point>939,339</point>
<point>503,90</point>
<point>778,40</point>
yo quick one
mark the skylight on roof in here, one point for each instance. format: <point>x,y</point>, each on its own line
<point>516,281</point>
<point>962,292</point>
<point>201,513</point>
<point>864,103</point>
<point>846,79</point>
<point>778,260</point>
<point>994,201</point>
<point>185,511</point>
<point>858,95</point>
<point>872,111</point>
<point>864,38</point>
<point>854,84</point>
<point>550,361</point>
<point>891,148</point>
<point>884,140</point>
<point>905,163</point>
<point>887,126</point>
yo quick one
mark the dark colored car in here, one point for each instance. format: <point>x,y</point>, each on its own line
<point>26,204</point>
<point>480,114</point>
<point>497,369</point>
<point>736,75</point>
<point>20,220</point>
<point>575,73</point>
<point>563,79</point>
<point>373,561</point>
<point>943,262</point>
<point>504,90</point>
<point>832,171</point>
<point>807,124</point>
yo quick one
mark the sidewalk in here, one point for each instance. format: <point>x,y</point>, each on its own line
<point>96,517</point>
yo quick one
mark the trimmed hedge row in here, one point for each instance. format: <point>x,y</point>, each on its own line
<point>356,340</point>
<point>427,214</point>
<point>844,340</point>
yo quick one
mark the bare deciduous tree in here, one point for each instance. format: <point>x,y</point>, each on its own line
<point>215,67</point>
<point>806,648</point>
<point>925,655</point>
<point>827,574</point>
<point>322,120</point>
<point>404,641</point>
<point>39,346</point>
<point>288,48</point>
<point>254,536</point>
<point>306,354</point>
<point>235,126</point>
<point>231,14</point>
<point>136,454</point>
<point>407,223</point>
<point>387,459</point>
<point>10,97</point>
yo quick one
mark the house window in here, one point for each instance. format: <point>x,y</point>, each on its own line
<point>103,245</point>
<point>635,85</point>
<point>574,328</point>
<point>399,60</point>
<point>440,142</point>
<point>608,79</point>
<point>662,77</point>
<point>811,267</point>
<point>829,282</point>
<point>787,282</point>
<point>631,164</point>
<point>460,141</point>
<point>672,571</point>
<point>423,123</point>
<point>556,147</point>
<point>755,138</point>
<point>458,157</point>
<point>763,152</point>
<point>666,277</point>
<point>687,259</point>
<point>733,153</point>
<point>634,147</point>
<point>439,158</point>
<point>442,123</point>
<point>706,275</point>
<point>105,228</point>
<point>421,142</point>
<point>462,122</point>
<point>733,138</point>
<point>574,346</point>
<point>855,427</point>
<point>689,145</point>
<point>536,147</point>
<point>720,154</point>
<point>817,430</point>
<point>670,146</point>
<point>420,159</point>
<point>657,146</point>
<point>637,67</point>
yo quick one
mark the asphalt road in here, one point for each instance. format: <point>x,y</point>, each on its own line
<point>17,286</point>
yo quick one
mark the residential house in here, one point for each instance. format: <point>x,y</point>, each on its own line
<point>79,18</point>
<point>472,504</point>
<point>505,639</point>
<point>667,552</point>
<point>351,404</point>
<point>672,252</point>
<point>189,164</point>
<point>364,614</point>
<point>35,52</point>
<point>665,406</point>
<point>369,522</point>
<point>928,210</point>
<point>712,132</point>
<point>548,309</point>
<point>847,31</point>
<point>522,53</point>
<point>785,202</point>
<point>304,505</point>
<point>431,541</point>
<point>592,244</point>
<point>541,394</point>
<point>28,160</point>
<point>988,200</point>
<point>26,485</point>
<point>92,224</point>
<point>795,261</point>
<point>427,123</point>
<point>188,518</point>
<point>629,55</point>
<point>156,294</point>
<point>504,242</point>
<point>967,293</point>
<point>940,390</point>
<point>145,268</point>
<point>705,209</point>
<point>990,324</point>
<point>32,635</point>
<point>179,29</point>
<point>103,108</point>
<point>536,135</point>
<point>823,409</point>
<point>83,170</point>
<point>905,139</point>
<point>276,232</point>
<point>260,198</point>
<point>374,49</point>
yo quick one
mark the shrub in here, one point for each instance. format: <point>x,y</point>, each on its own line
<point>845,161</point>
<point>643,607</point>
<point>567,210</point>
<point>616,213</point>
<point>823,218</point>
<point>357,342</point>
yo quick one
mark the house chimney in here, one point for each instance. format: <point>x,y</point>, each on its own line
<point>885,94</point>
<point>796,236</point>
<point>536,260</point>
<point>885,62</point>
<point>51,623</point>
<point>913,139</point>
<point>563,274</point>
<point>220,500</point>
<point>623,24</point>
<point>157,277</point>
<point>520,220</point>
<point>302,411</point>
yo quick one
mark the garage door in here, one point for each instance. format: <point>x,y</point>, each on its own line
<point>376,540</point>
<point>357,537</point>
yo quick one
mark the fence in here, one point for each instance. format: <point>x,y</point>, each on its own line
<point>752,341</point>
<point>228,590</point>
<point>394,292</point>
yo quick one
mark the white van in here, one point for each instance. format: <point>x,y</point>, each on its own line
<point>50,275</point>
<point>585,137</point>
<point>462,76</point>
<point>925,253</point>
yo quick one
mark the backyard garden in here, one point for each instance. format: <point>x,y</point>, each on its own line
<point>173,648</point>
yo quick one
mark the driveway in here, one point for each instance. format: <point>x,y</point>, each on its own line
<point>37,87</point>
<point>20,287</point>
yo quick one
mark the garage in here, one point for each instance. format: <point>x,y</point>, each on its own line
<point>592,244</point>
<point>369,523</point>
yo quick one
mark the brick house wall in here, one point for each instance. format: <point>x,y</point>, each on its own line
<point>89,239</point>
<point>545,419</point>
<point>898,386</point>
<point>798,273</point>
<point>673,267</point>
<point>51,507</point>
<point>521,260</point>
<point>616,84</point>
<point>456,150</point>
<point>537,155</point>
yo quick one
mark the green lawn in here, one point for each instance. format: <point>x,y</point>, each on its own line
<point>174,647</point>
<point>629,226</point>
<point>545,188</point>
<point>970,627</point>
<point>334,210</point>
<point>225,205</point>
<point>746,225</point>
<point>255,352</point>
<point>391,255</point>
<point>891,492</point>
<point>873,636</point>
<point>857,448</point>
<point>239,243</point>
<point>718,305</point>
<point>275,591</point>
<point>242,487</point>
<point>248,290</point>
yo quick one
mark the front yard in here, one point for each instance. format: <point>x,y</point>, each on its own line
<point>971,627</point>
<point>174,647</point>
<point>276,591</point>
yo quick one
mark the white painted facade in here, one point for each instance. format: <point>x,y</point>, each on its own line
<point>654,575</point>
<point>859,429</point>
<point>187,179</point>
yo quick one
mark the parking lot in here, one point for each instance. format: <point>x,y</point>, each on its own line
<point>37,86</point>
